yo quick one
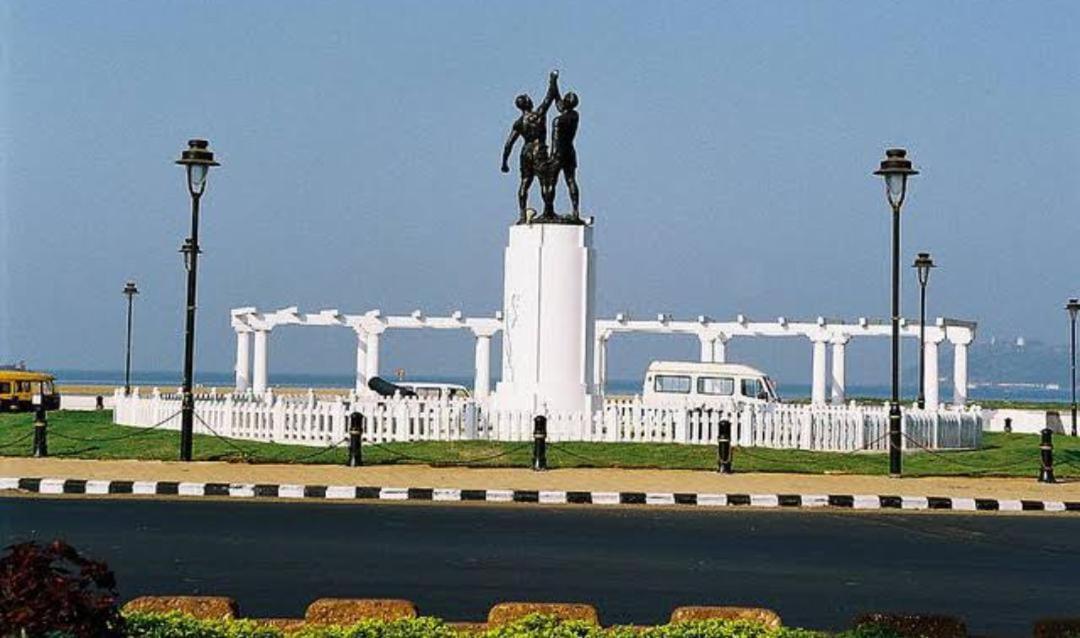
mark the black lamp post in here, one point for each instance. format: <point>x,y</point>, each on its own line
<point>922,267</point>
<point>197,159</point>
<point>129,291</point>
<point>895,168</point>
<point>1073,307</point>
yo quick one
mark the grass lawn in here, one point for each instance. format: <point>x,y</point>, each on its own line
<point>92,435</point>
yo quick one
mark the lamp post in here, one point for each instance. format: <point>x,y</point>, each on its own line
<point>922,267</point>
<point>896,169</point>
<point>197,160</point>
<point>1073,307</point>
<point>129,291</point>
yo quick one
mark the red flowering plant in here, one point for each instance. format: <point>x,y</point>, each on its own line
<point>51,590</point>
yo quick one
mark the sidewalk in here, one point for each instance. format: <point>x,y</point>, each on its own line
<point>564,480</point>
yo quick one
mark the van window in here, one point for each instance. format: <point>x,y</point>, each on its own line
<point>5,387</point>
<point>671,383</point>
<point>24,386</point>
<point>724,386</point>
<point>753,388</point>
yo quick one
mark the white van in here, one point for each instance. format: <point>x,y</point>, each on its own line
<point>697,384</point>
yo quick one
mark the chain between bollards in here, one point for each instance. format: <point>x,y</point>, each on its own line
<point>41,428</point>
<point>1046,451</point>
<point>356,434</point>
<point>539,460</point>
<point>723,448</point>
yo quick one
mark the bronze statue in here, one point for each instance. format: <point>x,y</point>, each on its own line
<point>534,160</point>
<point>563,130</point>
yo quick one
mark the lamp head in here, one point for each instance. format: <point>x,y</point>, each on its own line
<point>895,168</point>
<point>130,289</point>
<point>197,158</point>
<point>923,264</point>
<point>1073,307</point>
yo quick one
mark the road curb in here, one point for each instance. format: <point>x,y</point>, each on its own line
<point>117,487</point>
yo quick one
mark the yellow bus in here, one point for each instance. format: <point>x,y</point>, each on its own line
<point>18,387</point>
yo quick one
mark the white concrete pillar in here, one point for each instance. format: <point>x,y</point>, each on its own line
<point>960,373</point>
<point>261,361</point>
<point>482,380</point>
<point>707,343</point>
<point>372,355</point>
<point>361,363</point>
<point>838,387</point>
<point>817,388</point>
<point>930,380</point>
<point>600,361</point>
<point>243,360</point>
<point>720,350</point>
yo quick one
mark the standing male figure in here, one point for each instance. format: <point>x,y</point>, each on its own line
<point>563,130</point>
<point>532,128</point>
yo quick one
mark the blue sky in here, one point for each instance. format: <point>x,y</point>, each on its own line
<point>725,149</point>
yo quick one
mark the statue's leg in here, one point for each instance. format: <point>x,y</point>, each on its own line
<point>547,192</point>
<point>523,196</point>
<point>572,187</point>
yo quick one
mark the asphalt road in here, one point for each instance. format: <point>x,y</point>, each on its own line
<point>636,564</point>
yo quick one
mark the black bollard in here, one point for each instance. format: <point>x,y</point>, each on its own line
<point>99,403</point>
<point>356,433</point>
<point>1008,425</point>
<point>1046,450</point>
<point>539,460</point>
<point>41,429</point>
<point>723,448</point>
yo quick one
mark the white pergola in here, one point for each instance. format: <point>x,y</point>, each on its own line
<point>714,336</point>
<point>252,368</point>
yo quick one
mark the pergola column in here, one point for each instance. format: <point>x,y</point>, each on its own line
<point>600,362</point>
<point>482,380</point>
<point>839,383</point>
<point>930,374</point>
<point>713,348</point>
<point>361,363</point>
<point>960,370</point>
<point>261,361</point>
<point>243,360</point>
<point>372,361</point>
<point>817,389</point>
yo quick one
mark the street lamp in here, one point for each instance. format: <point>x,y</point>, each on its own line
<point>1073,307</point>
<point>922,267</point>
<point>197,159</point>
<point>896,169</point>
<point>129,291</point>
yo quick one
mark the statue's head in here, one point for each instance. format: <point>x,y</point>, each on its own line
<point>568,102</point>
<point>524,102</point>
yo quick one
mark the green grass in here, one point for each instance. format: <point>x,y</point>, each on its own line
<point>1001,454</point>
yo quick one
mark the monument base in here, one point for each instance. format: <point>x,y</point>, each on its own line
<point>548,322</point>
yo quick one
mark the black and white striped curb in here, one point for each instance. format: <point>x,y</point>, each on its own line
<point>550,497</point>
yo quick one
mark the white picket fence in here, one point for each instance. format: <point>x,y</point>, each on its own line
<point>320,421</point>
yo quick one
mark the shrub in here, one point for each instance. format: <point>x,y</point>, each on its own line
<point>51,590</point>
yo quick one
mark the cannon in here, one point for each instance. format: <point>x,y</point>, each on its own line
<point>384,388</point>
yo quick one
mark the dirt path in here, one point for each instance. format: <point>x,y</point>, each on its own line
<point>565,479</point>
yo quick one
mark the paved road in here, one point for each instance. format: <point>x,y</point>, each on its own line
<point>817,569</point>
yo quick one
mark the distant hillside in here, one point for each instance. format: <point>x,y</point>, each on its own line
<point>1018,361</point>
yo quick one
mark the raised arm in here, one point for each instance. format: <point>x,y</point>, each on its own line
<point>509,147</point>
<point>552,92</point>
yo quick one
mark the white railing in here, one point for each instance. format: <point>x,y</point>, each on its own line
<point>318,421</point>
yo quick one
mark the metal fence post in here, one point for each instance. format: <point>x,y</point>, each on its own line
<point>356,433</point>
<point>539,460</point>
<point>723,448</point>
<point>41,428</point>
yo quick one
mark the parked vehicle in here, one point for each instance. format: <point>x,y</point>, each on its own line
<point>18,387</point>
<point>707,385</point>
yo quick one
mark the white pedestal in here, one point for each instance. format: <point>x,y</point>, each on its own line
<point>547,344</point>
